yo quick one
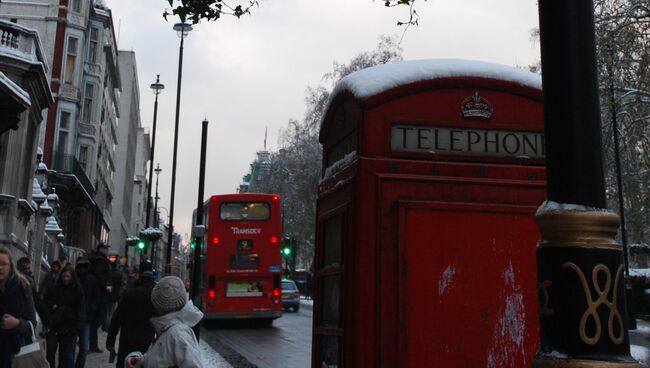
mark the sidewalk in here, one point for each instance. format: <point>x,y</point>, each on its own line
<point>640,342</point>
<point>100,360</point>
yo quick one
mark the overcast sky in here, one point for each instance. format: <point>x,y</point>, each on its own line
<point>248,74</point>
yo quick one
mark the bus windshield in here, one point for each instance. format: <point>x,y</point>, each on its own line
<point>244,211</point>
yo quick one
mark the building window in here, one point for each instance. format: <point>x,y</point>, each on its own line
<point>83,156</point>
<point>92,49</point>
<point>76,6</point>
<point>88,103</point>
<point>64,120</point>
<point>62,139</point>
<point>70,60</point>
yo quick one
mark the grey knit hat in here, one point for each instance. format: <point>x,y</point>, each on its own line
<point>169,295</point>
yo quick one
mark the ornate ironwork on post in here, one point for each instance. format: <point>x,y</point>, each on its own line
<point>581,284</point>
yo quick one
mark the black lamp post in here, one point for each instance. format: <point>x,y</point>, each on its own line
<point>182,29</point>
<point>157,88</point>
<point>155,211</point>
<point>199,233</point>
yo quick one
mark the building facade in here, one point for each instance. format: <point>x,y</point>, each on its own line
<point>24,94</point>
<point>140,181</point>
<point>79,134</point>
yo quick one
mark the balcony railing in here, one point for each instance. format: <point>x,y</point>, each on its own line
<point>70,165</point>
<point>21,42</point>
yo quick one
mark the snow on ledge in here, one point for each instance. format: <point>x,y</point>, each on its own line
<point>151,231</point>
<point>338,165</point>
<point>550,206</point>
<point>371,81</point>
<point>19,93</point>
<point>640,272</point>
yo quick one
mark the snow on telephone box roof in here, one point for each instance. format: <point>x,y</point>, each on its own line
<point>372,81</point>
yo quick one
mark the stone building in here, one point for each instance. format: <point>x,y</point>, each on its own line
<point>130,139</point>
<point>139,187</point>
<point>24,93</point>
<point>79,133</point>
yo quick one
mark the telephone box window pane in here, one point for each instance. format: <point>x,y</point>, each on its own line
<point>244,261</point>
<point>330,316</point>
<point>328,351</point>
<point>333,237</point>
<point>342,148</point>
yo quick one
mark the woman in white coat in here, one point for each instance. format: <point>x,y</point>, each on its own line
<point>175,344</point>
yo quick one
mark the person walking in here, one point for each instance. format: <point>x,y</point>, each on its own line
<point>16,310</point>
<point>131,318</point>
<point>66,304</point>
<point>176,344</point>
<point>88,283</point>
<point>50,279</point>
<point>24,269</point>
<point>117,283</point>
<point>101,268</point>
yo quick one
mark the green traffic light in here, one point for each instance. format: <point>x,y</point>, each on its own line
<point>286,251</point>
<point>141,245</point>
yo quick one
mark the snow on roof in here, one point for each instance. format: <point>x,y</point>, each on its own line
<point>371,81</point>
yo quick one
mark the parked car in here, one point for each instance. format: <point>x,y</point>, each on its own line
<point>290,295</point>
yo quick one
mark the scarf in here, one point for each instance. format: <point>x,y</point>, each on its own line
<point>12,300</point>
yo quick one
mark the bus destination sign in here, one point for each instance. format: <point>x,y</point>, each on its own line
<point>463,141</point>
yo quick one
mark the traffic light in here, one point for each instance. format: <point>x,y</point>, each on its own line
<point>141,246</point>
<point>287,249</point>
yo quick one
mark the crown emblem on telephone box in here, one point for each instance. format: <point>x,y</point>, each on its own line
<point>476,106</point>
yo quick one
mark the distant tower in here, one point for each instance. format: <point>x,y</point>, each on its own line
<point>260,170</point>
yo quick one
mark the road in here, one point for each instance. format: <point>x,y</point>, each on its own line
<point>287,343</point>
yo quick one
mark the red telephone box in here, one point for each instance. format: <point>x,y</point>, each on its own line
<point>425,249</point>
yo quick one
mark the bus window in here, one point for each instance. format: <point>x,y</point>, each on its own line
<point>244,261</point>
<point>244,211</point>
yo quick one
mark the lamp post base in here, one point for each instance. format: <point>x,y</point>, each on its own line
<point>582,291</point>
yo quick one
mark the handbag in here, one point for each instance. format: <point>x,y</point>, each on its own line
<point>30,355</point>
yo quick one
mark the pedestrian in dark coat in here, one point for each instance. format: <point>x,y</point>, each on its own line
<point>117,283</point>
<point>176,344</point>
<point>50,279</point>
<point>131,319</point>
<point>16,310</point>
<point>24,268</point>
<point>101,268</point>
<point>67,312</point>
<point>88,283</point>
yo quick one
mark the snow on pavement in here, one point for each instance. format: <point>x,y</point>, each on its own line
<point>640,353</point>
<point>211,358</point>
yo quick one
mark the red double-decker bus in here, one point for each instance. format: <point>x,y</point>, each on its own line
<point>242,260</point>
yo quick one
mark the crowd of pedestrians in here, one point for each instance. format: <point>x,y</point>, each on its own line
<point>153,320</point>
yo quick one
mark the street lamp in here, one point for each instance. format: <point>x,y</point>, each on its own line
<point>157,89</point>
<point>155,211</point>
<point>156,198</point>
<point>182,30</point>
